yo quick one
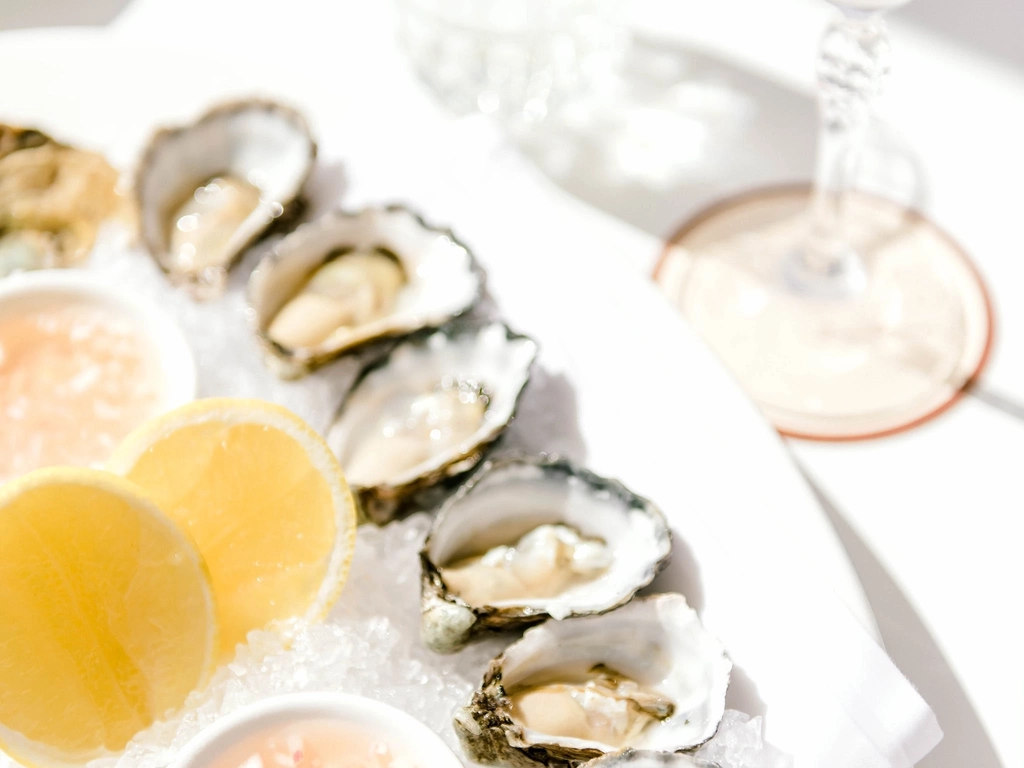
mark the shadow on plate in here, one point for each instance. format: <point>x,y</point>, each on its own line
<point>325,189</point>
<point>681,128</point>
<point>547,420</point>
<point>742,694</point>
<point>682,575</point>
<point>912,648</point>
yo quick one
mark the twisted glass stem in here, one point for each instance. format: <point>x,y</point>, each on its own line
<point>852,62</point>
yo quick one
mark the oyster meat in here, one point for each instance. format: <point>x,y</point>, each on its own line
<point>345,293</point>
<point>597,704</point>
<point>205,221</point>
<point>207,191</point>
<point>349,279</point>
<point>647,676</point>
<point>53,199</point>
<point>546,561</point>
<point>426,411</point>
<point>528,538</point>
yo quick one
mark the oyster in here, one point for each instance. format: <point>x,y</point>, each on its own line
<point>53,199</point>
<point>647,676</point>
<point>207,191</point>
<point>352,278</point>
<point>426,411</point>
<point>530,538</point>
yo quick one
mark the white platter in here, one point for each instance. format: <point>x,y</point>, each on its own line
<point>624,385</point>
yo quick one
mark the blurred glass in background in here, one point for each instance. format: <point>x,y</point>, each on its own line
<point>514,59</point>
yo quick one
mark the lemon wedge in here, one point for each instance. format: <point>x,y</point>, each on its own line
<point>264,499</point>
<point>107,619</point>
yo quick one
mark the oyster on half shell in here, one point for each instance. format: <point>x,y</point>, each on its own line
<point>648,676</point>
<point>427,409</point>
<point>53,199</point>
<point>527,538</point>
<point>208,190</point>
<point>349,279</point>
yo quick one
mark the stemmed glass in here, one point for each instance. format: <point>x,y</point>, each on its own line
<point>844,315</point>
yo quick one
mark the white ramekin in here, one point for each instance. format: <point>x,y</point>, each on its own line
<point>403,732</point>
<point>177,366</point>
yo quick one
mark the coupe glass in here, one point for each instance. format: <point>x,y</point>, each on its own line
<point>844,315</point>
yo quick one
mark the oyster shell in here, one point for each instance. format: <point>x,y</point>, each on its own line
<point>647,676</point>
<point>208,190</point>
<point>348,279</point>
<point>53,199</point>
<point>530,538</point>
<point>427,410</point>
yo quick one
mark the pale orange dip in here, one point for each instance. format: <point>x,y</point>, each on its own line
<point>314,743</point>
<point>75,378</point>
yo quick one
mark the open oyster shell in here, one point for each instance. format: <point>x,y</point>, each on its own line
<point>53,199</point>
<point>668,676</point>
<point>208,190</point>
<point>427,409</point>
<point>585,545</point>
<point>392,275</point>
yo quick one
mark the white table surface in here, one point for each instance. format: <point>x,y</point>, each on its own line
<point>930,518</point>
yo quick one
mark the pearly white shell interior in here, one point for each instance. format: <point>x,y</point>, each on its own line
<point>514,498</point>
<point>485,355</point>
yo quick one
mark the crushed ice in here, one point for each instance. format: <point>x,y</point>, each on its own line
<point>738,744</point>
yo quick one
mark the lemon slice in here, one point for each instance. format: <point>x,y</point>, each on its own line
<point>106,616</point>
<point>264,499</point>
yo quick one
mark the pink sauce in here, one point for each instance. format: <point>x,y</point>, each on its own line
<point>75,378</point>
<point>315,743</point>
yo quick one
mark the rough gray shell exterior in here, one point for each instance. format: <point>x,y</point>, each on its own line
<point>381,504</point>
<point>490,736</point>
<point>449,622</point>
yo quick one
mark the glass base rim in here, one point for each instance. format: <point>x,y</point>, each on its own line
<point>724,204</point>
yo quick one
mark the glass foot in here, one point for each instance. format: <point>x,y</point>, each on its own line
<point>823,365</point>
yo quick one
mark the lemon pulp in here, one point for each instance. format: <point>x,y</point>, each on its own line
<point>107,618</point>
<point>264,500</point>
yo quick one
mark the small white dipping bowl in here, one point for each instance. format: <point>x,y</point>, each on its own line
<point>26,291</point>
<point>402,732</point>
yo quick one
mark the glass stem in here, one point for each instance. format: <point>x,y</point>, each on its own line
<point>852,61</point>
